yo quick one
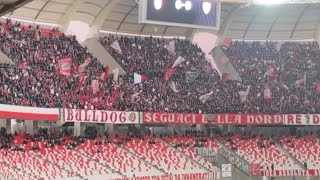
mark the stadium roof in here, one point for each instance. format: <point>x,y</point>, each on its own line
<point>290,21</point>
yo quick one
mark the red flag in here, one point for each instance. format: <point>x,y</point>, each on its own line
<point>83,66</point>
<point>95,86</point>
<point>227,42</point>
<point>318,88</point>
<point>83,78</point>
<point>224,78</point>
<point>224,60</point>
<point>23,65</point>
<point>65,65</point>
<point>169,73</point>
<point>105,74</point>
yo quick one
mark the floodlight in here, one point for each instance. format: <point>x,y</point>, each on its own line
<point>157,4</point>
<point>178,4</point>
<point>206,6</point>
<point>188,5</point>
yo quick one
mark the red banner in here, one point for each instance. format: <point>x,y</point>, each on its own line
<point>65,66</point>
<point>240,119</point>
<point>300,172</point>
<point>100,116</point>
<point>191,176</point>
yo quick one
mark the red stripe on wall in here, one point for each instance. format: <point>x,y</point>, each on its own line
<point>29,116</point>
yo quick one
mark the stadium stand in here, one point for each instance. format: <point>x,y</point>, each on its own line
<point>116,157</point>
<point>261,151</point>
<point>188,145</point>
<point>290,73</point>
<point>278,78</point>
<point>305,149</point>
<point>160,154</point>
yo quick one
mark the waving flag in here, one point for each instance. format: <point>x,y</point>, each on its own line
<point>205,97</point>
<point>116,74</point>
<point>65,66</point>
<point>82,79</point>
<point>83,66</point>
<point>178,61</point>
<point>192,75</point>
<point>318,89</point>
<point>139,78</point>
<point>169,73</point>
<point>271,72</point>
<point>224,78</point>
<point>170,47</point>
<point>116,46</point>
<point>105,74</point>
<point>227,42</point>
<point>267,93</point>
<point>173,87</point>
<point>243,94</point>
<point>95,86</point>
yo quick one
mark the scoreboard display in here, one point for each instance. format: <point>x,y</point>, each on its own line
<point>201,14</point>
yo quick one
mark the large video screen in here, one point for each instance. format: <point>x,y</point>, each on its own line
<point>202,14</point>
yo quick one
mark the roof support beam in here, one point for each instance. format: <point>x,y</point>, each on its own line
<point>298,20</point>
<point>124,18</point>
<point>13,6</point>
<point>272,25</point>
<point>226,23</point>
<point>36,17</point>
<point>249,25</point>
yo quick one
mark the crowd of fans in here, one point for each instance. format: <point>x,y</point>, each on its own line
<point>288,71</point>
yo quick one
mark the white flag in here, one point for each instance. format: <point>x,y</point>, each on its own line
<point>115,45</point>
<point>115,74</point>
<point>267,93</point>
<point>278,46</point>
<point>178,61</point>
<point>95,86</point>
<point>205,97</point>
<point>137,78</point>
<point>173,87</point>
<point>243,94</point>
<point>170,47</point>
<point>135,95</point>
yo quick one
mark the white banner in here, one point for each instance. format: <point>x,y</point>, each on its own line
<point>191,176</point>
<point>100,116</point>
<point>302,119</point>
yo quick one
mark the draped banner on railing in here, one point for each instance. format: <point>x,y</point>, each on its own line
<point>191,176</point>
<point>101,116</point>
<point>299,172</point>
<point>130,117</point>
<point>236,119</point>
<point>188,118</point>
<point>28,113</point>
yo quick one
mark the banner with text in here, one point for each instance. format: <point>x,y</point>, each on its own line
<point>191,176</point>
<point>101,116</point>
<point>237,119</point>
<point>302,119</point>
<point>288,172</point>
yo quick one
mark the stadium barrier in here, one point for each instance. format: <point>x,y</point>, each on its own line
<point>131,117</point>
<point>191,176</point>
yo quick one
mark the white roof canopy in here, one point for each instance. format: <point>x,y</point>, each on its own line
<point>290,21</point>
